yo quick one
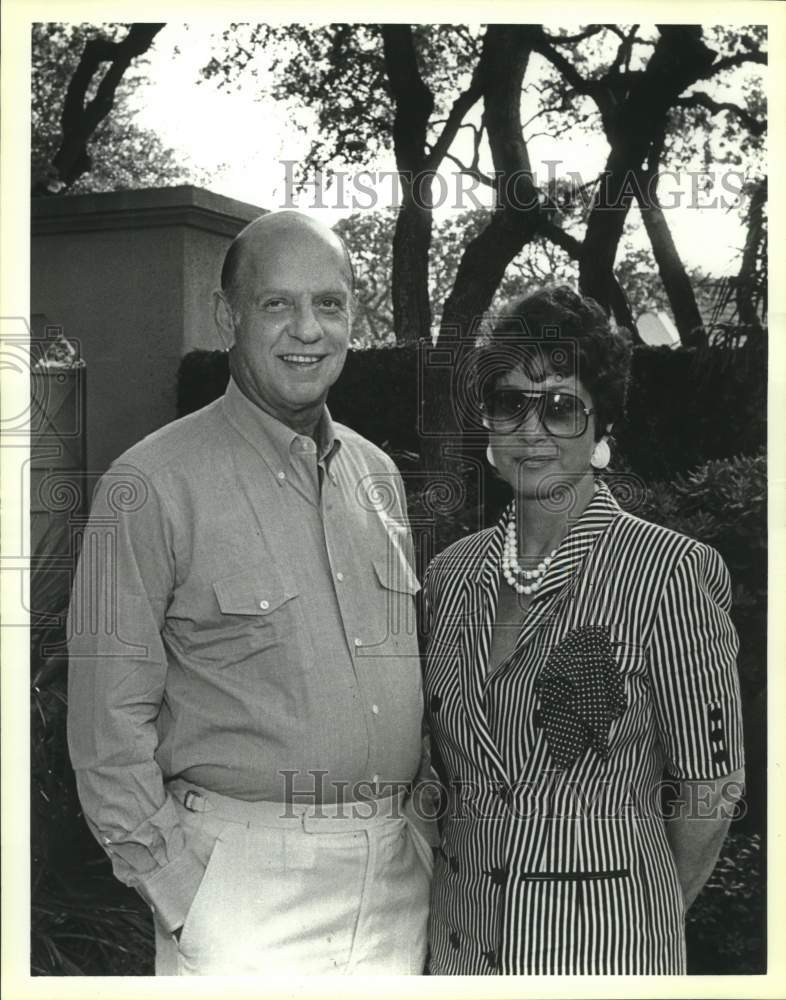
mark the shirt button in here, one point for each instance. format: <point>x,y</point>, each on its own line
<point>358,642</point>
<point>281,475</point>
<point>375,709</point>
<point>264,605</point>
<point>339,577</point>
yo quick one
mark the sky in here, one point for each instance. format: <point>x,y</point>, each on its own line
<point>243,139</point>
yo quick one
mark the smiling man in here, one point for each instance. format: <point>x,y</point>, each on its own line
<point>245,698</point>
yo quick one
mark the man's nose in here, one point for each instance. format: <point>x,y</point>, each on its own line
<point>306,327</point>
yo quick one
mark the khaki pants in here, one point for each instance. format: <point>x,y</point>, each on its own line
<point>301,890</point>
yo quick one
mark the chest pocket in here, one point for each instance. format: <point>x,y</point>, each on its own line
<point>252,594</point>
<point>250,615</point>
<point>390,604</point>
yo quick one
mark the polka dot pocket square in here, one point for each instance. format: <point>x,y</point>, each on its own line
<point>581,692</point>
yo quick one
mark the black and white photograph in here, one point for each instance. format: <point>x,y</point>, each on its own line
<point>386,482</point>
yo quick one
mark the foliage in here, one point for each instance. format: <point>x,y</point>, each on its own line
<point>369,237</point>
<point>655,92</point>
<point>123,154</point>
<point>724,504</point>
<point>725,927</point>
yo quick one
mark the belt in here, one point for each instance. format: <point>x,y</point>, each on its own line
<point>338,817</point>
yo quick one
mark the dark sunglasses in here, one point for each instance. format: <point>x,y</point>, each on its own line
<point>562,414</point>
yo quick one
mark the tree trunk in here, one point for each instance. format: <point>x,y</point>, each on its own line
<point>672,273</point>
<point>634,114</point>
<point>410,291</point>
<point>503,64</point>
<point>79,119</point>
<point>412,239</point>
<point>748,279</point>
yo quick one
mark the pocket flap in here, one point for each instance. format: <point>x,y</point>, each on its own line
<point>396,574</point>
<point>251,592</point>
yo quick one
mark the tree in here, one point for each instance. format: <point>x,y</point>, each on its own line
<point>642,109</point>
<point>412,88</point>
<point>369,236</point>
<point>101,148</point>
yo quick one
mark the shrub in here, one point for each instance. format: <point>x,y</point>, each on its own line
<point>725,926</point>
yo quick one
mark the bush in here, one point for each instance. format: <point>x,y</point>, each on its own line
<point>678,407</point>
<point>726,925</point>
<point>724,503</point>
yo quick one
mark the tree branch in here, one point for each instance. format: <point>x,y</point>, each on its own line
<point>460,107</point>
<point>593,29</point>
<point>738,59</point>
<point>701,100</point>
<point>79,120</point>
<point>471,171</point>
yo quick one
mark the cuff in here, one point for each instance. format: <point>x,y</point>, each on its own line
<point>170,890</point>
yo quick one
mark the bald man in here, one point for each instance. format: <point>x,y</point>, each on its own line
<point>245,697</point>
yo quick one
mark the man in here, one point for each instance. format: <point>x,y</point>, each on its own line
<point>245,697</point>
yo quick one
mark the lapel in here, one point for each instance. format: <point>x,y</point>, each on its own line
<point>551,606</point>
<point>562,581</point>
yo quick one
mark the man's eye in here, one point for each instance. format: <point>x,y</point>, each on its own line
<point>274,304</point>
<point>330,304</point>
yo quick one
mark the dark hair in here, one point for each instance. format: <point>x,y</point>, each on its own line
<point>555,330</point>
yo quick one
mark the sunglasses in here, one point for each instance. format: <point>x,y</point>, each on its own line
<point>562,414</point>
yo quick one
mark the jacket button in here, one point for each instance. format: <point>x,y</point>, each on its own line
<point>436,703</point>
<point>454,941</point>
<point>491,957</point>
<point>454,865</point>
<point>498,875</point>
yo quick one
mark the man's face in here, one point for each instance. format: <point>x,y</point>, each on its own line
<point>291,320</point>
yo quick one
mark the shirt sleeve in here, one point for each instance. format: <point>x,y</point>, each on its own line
<point>117,672</point>
<point>692,662</point>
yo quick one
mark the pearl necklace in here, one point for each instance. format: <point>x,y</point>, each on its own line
<point>512,569</point>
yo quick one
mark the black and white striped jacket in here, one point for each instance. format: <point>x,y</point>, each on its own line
<point>566,870</point>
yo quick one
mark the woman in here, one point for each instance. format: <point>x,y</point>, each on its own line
<point>575,654</point>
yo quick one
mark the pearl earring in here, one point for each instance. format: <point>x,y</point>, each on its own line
<point>601,454</point>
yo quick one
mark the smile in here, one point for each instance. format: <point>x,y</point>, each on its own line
<point>302,359</point>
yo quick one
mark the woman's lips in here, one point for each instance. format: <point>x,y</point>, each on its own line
<point>533,461</point>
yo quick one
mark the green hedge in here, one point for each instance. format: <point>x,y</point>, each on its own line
<point>685,406</point>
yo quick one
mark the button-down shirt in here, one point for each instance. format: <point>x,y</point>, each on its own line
<point>243,618</point>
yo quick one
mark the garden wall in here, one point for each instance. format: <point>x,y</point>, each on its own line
<point>127,276</point>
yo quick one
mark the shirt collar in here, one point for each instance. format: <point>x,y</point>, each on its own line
<point>275,441</point>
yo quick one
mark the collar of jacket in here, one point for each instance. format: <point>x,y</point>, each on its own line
<point>597,516</point>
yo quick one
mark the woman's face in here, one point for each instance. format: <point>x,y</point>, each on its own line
<point>533,461</point>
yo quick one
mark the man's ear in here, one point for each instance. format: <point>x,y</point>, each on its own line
<point>225,319</point>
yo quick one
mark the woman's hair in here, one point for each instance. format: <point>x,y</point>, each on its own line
<point>555,330</point>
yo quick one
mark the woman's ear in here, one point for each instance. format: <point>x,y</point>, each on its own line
<point>224,318</point>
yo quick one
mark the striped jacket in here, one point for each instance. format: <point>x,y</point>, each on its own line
<point>567,870</point>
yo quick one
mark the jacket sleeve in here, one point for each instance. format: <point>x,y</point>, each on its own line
<point>117,673</point>
<point>692,659</point>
